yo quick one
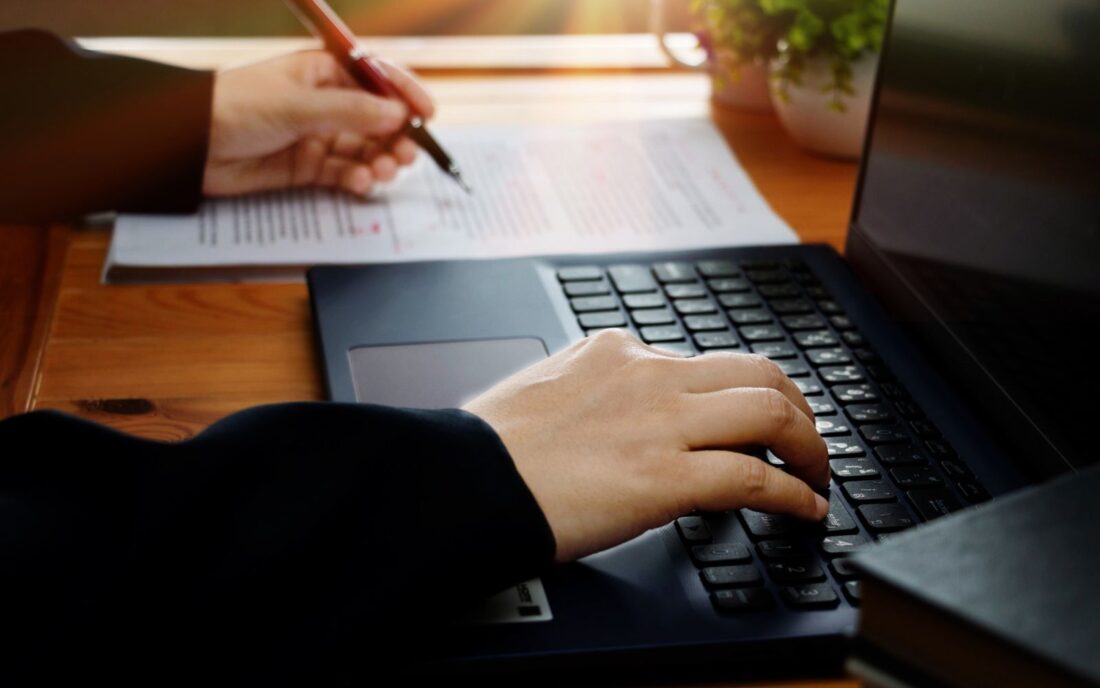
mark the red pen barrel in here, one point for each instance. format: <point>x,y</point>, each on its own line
<point>369,74</point>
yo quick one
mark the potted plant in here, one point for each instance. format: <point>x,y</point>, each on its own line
<point>824,70</point>
<point>740,41</point>
<point>821,56</point>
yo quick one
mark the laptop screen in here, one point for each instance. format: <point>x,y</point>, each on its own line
<point>978,217</point>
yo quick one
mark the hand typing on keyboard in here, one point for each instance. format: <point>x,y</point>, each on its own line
<point>615,437</point>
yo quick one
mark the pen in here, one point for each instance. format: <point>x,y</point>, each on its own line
<point>323,23</point>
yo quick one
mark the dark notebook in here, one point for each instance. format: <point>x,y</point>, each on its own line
<point>1005,594</point>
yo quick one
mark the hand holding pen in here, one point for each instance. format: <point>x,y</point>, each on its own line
<point>369,73</point>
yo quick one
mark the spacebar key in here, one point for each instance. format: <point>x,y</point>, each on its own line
<point>933,502</point>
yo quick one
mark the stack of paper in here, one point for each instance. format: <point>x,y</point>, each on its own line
<point>537,190</point>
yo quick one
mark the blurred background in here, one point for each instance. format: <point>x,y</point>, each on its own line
<point>366,17</point>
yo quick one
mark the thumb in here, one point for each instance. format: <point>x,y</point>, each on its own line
<point>329,110</point>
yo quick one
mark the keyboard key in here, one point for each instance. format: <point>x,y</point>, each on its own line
<point>814,338</point>
<point>750,316</point>
<point>840,374</point>
<point>781,549</point>
<point>775,350</point>
<point>717,268</point>
<point>836,545</point>
<point>831,427</point>
<point>940,450</point>
<point>794,369</point>
<point>742,600</point>
<point>907,477</point>
<point>685,291</point>
<point>587,304</point>
<point>924,429</point>
<point>821,407</point>
<point>703,323</point>
<point>830,307</point>
<point>884,434</point>
<point>730,576</point>
<point>795,571</point>
<point>605,319</point>
<point>933,502</point>
<point>779,291</point>
<point>846,469</point>
<point>854,394</point>
<point>818,292</point>
<point>838,521</point>
<point>886,517</point>
<point>681,348</point>
<point>894,390</point>
<point>766,276</point>
<point>869,491</point>
<point>973,492</point>
<point>869,413</point>
<point>758,263</point>
<point>811,596</point>
<point>716,340</point>
<point>588,288</point>
<point>742,300</point>
<point>832,356</point>
<point>900,454</point>
<point>792,307</point>
<point>842,568</point>
<point>728,284</point>
<point>802,322</point>
<point>808,387</point>
<point>693,529</point>
<point>761,525</point>
<point>580,272</point>
<point>853,338</point>
<point>630,279</point>
<point>652,316</point>
<point>643,300</point>
<point>908,409</point>
<point>761,333</point>
<point>841,322</point>
<point>879,372</point>
<point>661,333</point>
<point>674,272</point>
<point>730,553</point>
<point>693,306</point>
<point>843,446</point>
<point>852,592</point>
<point>956,470</point>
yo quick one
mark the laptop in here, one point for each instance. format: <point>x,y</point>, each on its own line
<point>949,355</point>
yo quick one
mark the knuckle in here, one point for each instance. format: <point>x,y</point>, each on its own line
<point>755,478</point>
<point>770,373</point>
<point>779,410</point>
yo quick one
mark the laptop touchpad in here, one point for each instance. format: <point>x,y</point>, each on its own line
<point>436,375</point>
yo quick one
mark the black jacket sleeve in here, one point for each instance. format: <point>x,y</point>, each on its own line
<point>82,132</point>
<point>285,543</point>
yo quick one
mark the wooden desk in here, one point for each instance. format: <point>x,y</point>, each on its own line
<point>166,361</point>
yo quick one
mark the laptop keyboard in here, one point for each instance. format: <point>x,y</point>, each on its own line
<point>891,467</point>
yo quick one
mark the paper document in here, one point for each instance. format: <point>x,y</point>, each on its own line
<point>537,190</point>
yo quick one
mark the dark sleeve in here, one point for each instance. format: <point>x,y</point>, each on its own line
<point>293,540</point>
<point>83,132</point>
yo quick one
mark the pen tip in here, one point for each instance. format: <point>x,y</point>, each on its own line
<point>457,176</point>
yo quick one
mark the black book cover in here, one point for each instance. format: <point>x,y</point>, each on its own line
<point>1004,594</point>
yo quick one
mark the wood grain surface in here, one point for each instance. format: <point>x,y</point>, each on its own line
<point>164,361</point>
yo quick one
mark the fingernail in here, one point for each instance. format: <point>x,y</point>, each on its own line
<point>822,506</point>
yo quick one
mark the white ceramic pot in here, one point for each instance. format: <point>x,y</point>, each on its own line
<point>807,112</point>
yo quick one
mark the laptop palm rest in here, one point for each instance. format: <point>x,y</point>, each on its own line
<point>434,375</point>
